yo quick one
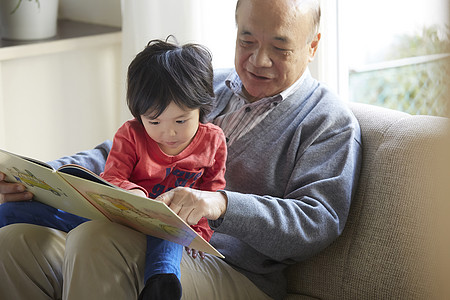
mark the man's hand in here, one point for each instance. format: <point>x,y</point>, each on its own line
<point>191,205</point>
<point>12,191</point>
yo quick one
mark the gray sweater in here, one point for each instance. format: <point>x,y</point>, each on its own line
<point>290,181</point>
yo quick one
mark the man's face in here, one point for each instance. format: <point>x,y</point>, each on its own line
<point>273,46</point>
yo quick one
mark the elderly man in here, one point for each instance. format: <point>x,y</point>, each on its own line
<point>294,155</point>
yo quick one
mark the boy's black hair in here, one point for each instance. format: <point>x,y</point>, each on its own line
<point>164,72</point>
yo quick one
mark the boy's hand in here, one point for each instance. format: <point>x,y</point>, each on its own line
<point>13,191</point>
<point>195,253</point>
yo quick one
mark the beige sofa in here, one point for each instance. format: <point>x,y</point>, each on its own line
<point>388,246</point>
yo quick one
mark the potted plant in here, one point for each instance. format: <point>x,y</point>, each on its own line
<point>28,19</point>
<point>20,1</point>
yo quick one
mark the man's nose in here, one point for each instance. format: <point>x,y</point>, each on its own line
<point>260,58</point>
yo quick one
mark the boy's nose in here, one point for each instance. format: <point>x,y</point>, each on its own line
<point>172,132</point>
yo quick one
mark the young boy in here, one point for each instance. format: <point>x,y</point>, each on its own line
<point>166,145</point>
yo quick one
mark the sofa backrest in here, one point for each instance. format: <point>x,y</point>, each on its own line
<point>382,253</point>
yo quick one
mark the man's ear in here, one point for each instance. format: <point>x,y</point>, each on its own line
<point>313,46</point>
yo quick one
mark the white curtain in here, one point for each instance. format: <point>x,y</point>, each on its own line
<point>209,22</point>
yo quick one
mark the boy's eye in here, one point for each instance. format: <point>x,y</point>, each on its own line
<point>181,121</point>
<point>153,122</point>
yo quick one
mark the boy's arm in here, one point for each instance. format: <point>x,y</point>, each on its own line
<point>121,161</point>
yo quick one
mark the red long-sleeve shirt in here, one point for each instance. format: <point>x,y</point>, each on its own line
<point>136,161</point>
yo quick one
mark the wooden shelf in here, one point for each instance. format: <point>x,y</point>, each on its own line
<point>71,35</point>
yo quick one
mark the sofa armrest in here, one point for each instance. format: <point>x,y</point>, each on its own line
<point>382,252</point>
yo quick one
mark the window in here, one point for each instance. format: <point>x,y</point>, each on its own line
<point>395,54</point>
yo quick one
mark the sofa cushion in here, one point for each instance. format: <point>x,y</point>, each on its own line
<point>383,251</point>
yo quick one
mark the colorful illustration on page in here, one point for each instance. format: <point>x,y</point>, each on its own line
<point>122,211</point>
<point>27,178</point>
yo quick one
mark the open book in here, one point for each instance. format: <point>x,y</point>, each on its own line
<point>79,191</point>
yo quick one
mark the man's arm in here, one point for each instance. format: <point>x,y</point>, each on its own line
<point>310,213</point>
<point>93,159</point>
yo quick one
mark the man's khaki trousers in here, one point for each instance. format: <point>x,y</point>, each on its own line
<point>100,260</point>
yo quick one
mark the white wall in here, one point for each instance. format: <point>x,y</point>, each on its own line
<point>66,97</point>
<point>104,12</point>
<point>57,104</point>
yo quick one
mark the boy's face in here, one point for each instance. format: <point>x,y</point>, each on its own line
<point>174,129</point>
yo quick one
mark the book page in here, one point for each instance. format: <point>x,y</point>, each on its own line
<point>47,187</point>
<point>148,216</point>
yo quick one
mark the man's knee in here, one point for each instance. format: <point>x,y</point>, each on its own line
<point>31,262</point>
<point>95,234</point>
<point>102,242</point>
<point>102,249</point>
<point>19,238</point>
<point>87,235</point>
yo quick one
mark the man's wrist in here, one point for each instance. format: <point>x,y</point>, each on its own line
<point>225,202</point>
<point>214,224</point>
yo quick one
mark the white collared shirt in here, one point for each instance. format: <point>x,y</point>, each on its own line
<point>240,115</point>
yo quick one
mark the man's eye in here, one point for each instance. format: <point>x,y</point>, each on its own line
<point>281,49</point>
<point>246,43</point>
